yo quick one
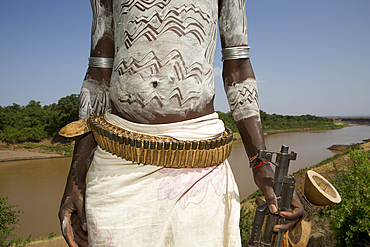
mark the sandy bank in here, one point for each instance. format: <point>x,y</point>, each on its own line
<point>55,242</point>
<point>6,155</point>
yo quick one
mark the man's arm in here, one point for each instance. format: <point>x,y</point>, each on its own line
<point>241,89</point>
<point>93,100</point>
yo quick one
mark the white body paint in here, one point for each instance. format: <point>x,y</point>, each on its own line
<point>164,51</point>
<point>243,99</point>
<point>164,57</point>
<point>64,226</point>
<point>93,98</point>
<point>102,21</point>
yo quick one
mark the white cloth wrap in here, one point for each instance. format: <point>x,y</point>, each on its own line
<point>130,204</point>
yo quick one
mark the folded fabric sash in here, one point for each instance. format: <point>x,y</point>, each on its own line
<point>157,150</point>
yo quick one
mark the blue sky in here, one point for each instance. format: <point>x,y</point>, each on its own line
<point>310,57</point>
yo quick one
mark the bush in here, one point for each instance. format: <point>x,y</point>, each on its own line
<point>245,224</point>
<point>350,220</point>
<point>8,221</point>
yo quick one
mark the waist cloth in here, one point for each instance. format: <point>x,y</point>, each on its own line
<point>131,204</point>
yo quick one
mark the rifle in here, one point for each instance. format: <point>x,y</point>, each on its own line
<point>284,189</point>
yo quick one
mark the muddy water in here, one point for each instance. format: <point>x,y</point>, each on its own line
<point>311,147</point>
<point>37,185</point>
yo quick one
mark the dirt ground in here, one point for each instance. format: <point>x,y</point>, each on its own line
<point>320,233</point>
<point>55,242</point>
<point>10,152</point>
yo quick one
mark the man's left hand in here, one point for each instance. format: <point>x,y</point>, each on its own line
<point>264,179</point>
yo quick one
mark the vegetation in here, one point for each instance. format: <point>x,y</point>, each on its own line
<point>8,221</point>
<point>272,123</point>
<point>65,149</point>
<point>350,219</point>
<point>228,120</point>
<point>34,122</point>
<point>245,223</point>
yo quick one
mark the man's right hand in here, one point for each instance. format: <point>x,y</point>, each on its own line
<point>72,214</point>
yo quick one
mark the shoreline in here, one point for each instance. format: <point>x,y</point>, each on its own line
<point>14,153</point>
<point>11,155</point>
<point>283,131</point>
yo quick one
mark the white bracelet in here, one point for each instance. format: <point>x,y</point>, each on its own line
<point>231,53</point>
<point>101,62</point>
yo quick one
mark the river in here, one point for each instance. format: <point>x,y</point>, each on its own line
<point>38,185</point>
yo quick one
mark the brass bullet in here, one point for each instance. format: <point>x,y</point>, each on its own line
<point>218,151</point>
<point>121,146</point>
<point>138,150</point>
<point>146,148</point>
<point>212,153</point>
<point>180,152</point>
<point>207,153</point>
<point>194,152</point>
<point>152,153</point>
<point>132,149</point>
<point>200,158</point>
<point>159,152</point>
<point>187,154</point>
<point>173,154</point>
<point>127,146</point>
<point>166,151</point>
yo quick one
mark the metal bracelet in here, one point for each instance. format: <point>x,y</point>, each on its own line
<point>231,53</point>
<point>101,62</point>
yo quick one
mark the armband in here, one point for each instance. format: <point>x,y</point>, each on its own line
<point>232,53</point>
<point>101,62</point>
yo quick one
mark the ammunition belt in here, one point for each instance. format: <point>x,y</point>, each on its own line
<point>160,151</point>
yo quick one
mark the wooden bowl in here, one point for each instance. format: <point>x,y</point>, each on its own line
<point>320,191</point>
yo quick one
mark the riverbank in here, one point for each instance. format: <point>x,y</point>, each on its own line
<point>25,155</point>
<point>321,234</point>
<point>59,148</point>
<point>46,149</point>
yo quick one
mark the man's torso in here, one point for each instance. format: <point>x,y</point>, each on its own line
<point>163,66</point>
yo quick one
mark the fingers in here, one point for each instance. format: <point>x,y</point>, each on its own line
<point>298,209</point>
<point>291,218</point>
<point>271,200</point>
<point>67,231</point>
<point>80,235</point>
<point>286,226</point>
<point>71,216</point>
<point>264,178</point>
<point>81,213</point>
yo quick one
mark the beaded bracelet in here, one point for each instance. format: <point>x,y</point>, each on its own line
<point>253,158</point>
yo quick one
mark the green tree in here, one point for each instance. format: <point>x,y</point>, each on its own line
<point>68,108</point>
<point>34,122</point>
<point>8,221</point>
<point>228,120</point>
